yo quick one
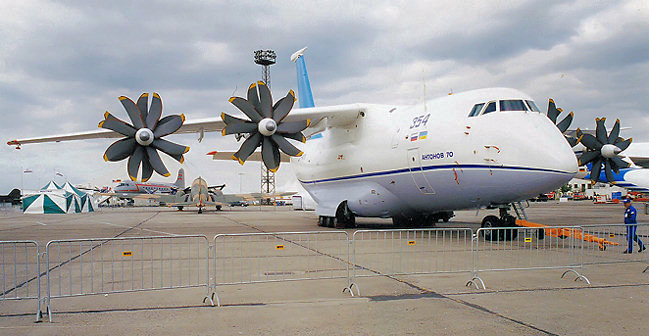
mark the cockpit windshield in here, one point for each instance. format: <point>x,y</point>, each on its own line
<point>512,105</point>
<point>532,106</point>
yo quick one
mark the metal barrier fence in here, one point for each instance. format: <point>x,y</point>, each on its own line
<point>21,271</point>
<point>78,267</point>
<point>410,251</point>
<point>612,251</point>
<point>518,248</point>
<point>281,256</point>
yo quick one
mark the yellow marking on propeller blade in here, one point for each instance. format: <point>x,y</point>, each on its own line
<point>261,83</point>
<point>156,95</point>
<point>122,98</point>
<point>101,123</point>
<point>303,138</point>
<point>105,157</point>
<point>300,154</point>
<point>232,99</point>
<point>145,94</point>
<point>223,132</point>
<point>551,100</point>
<point>182,159</point>
<point>274,170</point>
<point>603,119</point>
<point>182,116</point>
<point>559,109</point>
<point>252,86</point>
<point>186,149</point>
<point>166,175</point>
<point>223,116</point>
<point>106,114</point>
<point>145,179</point>
<point>308,122</point>
<point>132,178</point>
<point>572,114</point>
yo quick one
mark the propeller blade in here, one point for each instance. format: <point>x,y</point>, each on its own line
<point>180,158</point>
<point>588,157</point>
<point>132,111</point>
<point>168,125</point>
<point>156,161</point>
<point>623,144</point>
<point>142,104</point>
<point>253,97</point>
<point>591,142</point>
<point>565,123</point>
<point>295,136</point>
<point>246,107</point>
<point>283,106</point>
<point>134,162</point>
<point>293,126</point>
<point>615,132</point>
<point>244,127</point>
<point>228,119</point>
<point>597,169</point>
<point>169,147</point>
<point>600,131</point>
<point>147,170</point>
<point>286,146</point>
<point>553,113</point>
<point>117,125</point>
<point>248,147</point>
<point>120,149</point>
<point>620,163</point>
<point>154,112</point>
<point>265,100</point>
<point>270,154</point>
<point>609,173</point>
<point>572,141</point>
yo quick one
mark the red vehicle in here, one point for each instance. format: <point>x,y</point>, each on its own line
<point>578,197</point>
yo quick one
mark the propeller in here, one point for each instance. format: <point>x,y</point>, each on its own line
<point>602,149</point>
<point>143,139</point>
<point>265,126</point>
<point>553,113</point>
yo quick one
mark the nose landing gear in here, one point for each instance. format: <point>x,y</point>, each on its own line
<point>494,224</point>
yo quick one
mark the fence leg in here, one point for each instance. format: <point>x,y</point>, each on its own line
<point>350,288</point>
<point>477,282</point>
<point>646,269</point>
<point>210,296</point>
<point>579,276</point>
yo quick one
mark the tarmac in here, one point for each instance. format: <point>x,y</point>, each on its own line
<point>523,302</point>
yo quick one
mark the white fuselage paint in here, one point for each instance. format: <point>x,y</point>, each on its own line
<point>464,162</point>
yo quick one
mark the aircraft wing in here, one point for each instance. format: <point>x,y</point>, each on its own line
<point>132,195</point>
<point>189,126</point>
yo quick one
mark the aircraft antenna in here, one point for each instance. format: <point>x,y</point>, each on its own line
<point>266,58</point>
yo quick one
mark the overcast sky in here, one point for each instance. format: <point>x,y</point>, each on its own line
<point>62,64</point>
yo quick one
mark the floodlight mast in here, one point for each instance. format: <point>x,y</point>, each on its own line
<point>266,58</point>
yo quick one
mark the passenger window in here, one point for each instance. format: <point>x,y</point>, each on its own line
<point>476,109</point>
<point>532,106</point>
<point>512,105</point>
<point>490,108</point>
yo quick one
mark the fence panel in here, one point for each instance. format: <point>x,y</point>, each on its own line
<point>411,251</point>
<point>78,267</point>
<point>281,256</point>
<point>612,243</point>
<point>21,278</point>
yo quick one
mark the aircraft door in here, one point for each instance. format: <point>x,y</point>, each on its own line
<point>417,173</point>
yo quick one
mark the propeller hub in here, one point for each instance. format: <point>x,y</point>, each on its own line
<point>609,151</point>
<point>144,136</point>
<point>267,127</point>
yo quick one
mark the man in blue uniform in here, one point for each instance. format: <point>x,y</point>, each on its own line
<point>631,226</point>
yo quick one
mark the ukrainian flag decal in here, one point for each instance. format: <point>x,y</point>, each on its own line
<point>423,135</point>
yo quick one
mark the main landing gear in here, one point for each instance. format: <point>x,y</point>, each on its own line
<point>344,218</point>
<point>505,220</point>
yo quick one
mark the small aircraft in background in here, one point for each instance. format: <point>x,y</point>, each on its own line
<point>14,197</point>
<point>200,195</point>
<point>147,190</point>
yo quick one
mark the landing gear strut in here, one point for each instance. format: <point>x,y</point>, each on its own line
<point>505,220</point>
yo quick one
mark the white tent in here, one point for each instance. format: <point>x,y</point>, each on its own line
<point>46,203</point>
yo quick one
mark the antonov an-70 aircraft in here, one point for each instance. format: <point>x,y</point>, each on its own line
<point>415,164</point>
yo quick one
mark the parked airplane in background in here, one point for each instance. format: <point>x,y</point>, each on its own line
<point>13,197</point>
<point>482,148</point>
<point>200,195</point>
<point>133,189</point>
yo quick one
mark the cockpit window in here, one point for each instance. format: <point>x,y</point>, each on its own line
<point>490,108</point>
<point>532,106</point>
<point>512,105</point>
<point>476,110</point>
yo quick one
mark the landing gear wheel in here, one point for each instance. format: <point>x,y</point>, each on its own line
<point>321,221</point>
<point>509,221</point>
<point>344,217</point>
<point>200,210</point>
<point>491,222</point>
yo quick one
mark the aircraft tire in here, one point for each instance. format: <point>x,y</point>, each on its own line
<point>180,208</point>
<point>509,221</point>
<point>344,217</point>
<point>330,221</point>
<point>491,222</point>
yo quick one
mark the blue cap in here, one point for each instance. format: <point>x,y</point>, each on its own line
<point>627,200</point>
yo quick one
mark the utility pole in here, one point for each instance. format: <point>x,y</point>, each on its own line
<point>266,58</point>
